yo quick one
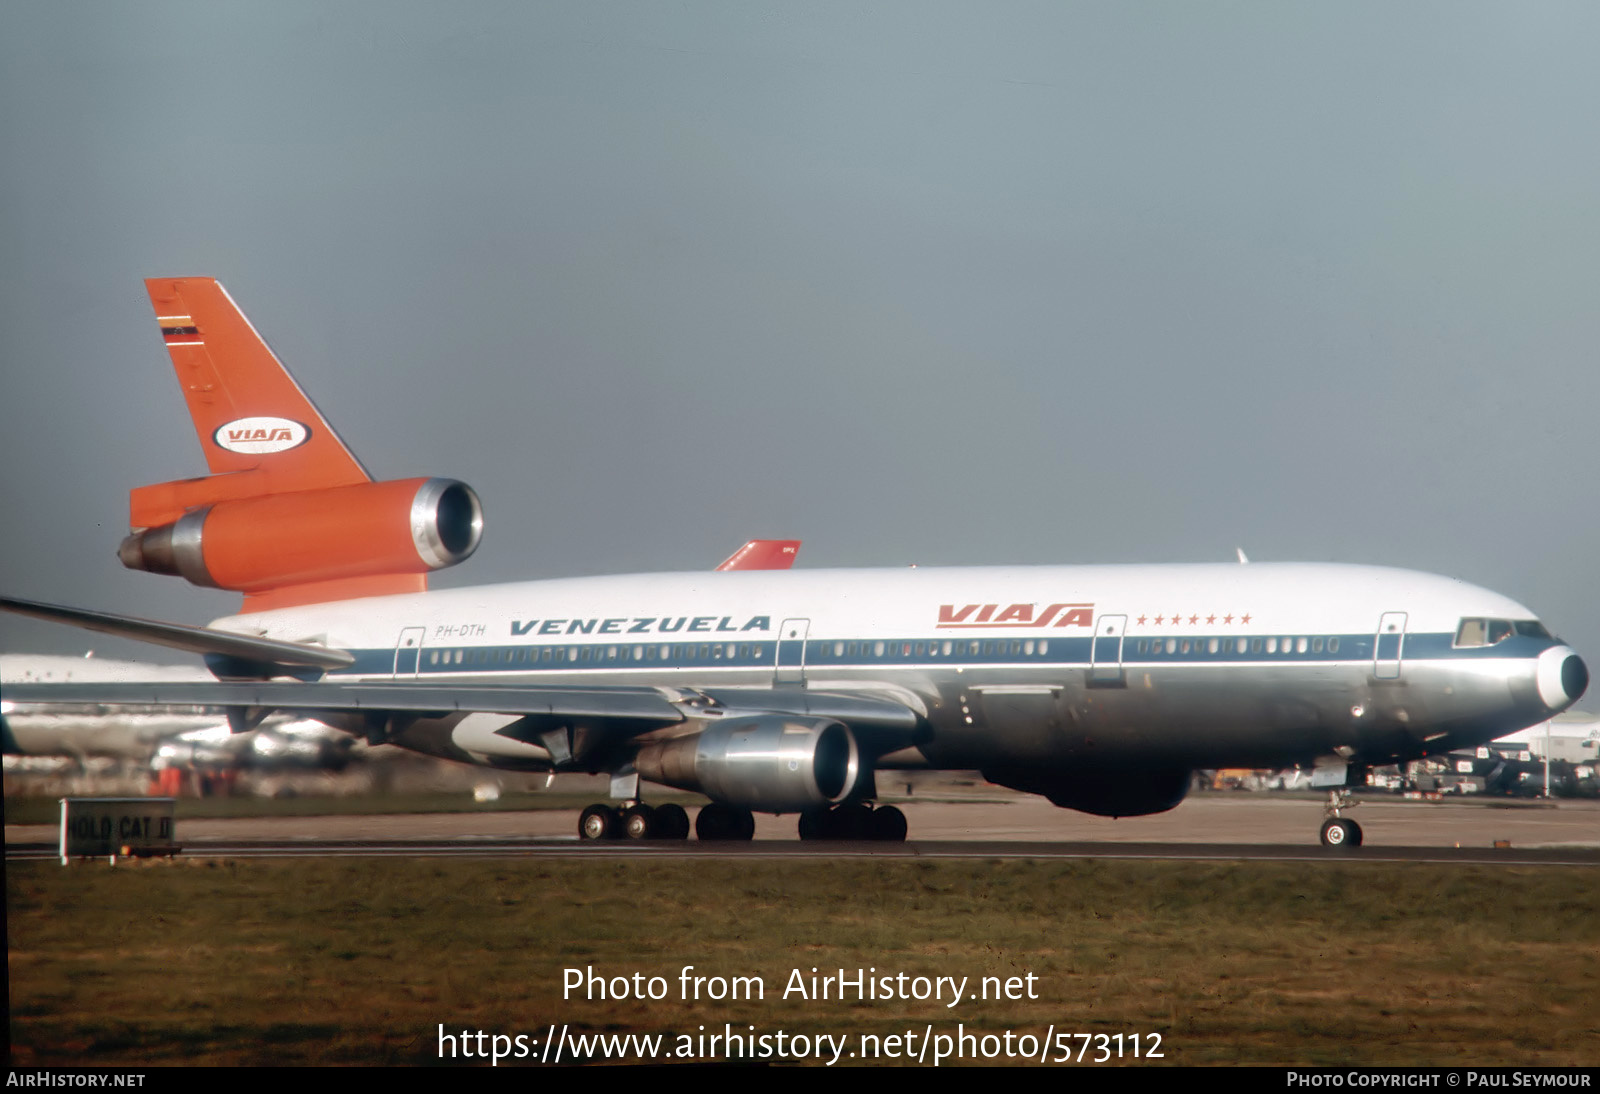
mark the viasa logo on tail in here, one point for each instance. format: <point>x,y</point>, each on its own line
<point>259,436</point>
<point>1014,616</point>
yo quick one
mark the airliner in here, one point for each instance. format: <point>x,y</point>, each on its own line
<point>1101,688</point>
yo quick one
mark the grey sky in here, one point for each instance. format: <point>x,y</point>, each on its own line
<point>915,283</point>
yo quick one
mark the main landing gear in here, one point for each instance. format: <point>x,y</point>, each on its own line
<point>728,823</point>
<point>1340,831</point>
<point>857,821</point>
<point>636,822</point>
<point>641,822</point>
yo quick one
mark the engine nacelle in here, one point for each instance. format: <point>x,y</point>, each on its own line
<point>252,545</point>
<point>770,763</point>
<point>1118,792</point>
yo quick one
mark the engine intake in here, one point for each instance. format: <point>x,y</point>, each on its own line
<point>769,763</point>
<point>408,526</point>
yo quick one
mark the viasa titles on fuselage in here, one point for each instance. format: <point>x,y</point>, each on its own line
<point>1100,687</point>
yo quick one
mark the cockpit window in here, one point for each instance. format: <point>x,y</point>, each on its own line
<point>1488,632</point>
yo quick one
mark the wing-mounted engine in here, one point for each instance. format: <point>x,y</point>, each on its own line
<point>770,763</point>
<point>281,549</point>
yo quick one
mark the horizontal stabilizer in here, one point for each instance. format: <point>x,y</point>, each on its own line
<point>201,640</point>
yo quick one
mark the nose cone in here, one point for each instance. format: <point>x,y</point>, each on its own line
<point>1563,678</point>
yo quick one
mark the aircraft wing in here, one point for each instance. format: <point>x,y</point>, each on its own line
<point>652,704</point>
<point>883,724</point>
<point>609,702</point>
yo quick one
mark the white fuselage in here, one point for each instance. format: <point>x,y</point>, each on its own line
<point>1010,669</point>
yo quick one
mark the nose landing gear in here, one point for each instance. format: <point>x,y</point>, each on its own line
<point>1340,831</point>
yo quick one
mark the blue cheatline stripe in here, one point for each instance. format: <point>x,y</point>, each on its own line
<point>966,652</point>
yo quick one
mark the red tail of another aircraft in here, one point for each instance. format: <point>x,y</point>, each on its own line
<point>763,554</point>
<point>288,515</point>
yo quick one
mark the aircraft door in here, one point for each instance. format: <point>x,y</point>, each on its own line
<point>408,651</point>
<point>1387,649</point>
<point>790,667</point>
<point>1105,654</point>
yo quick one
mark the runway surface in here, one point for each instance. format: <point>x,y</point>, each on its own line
<point>663,850</point>
<point>1212,827</point>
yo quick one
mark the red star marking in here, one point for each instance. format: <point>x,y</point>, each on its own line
<point>1211,619</point>
<point>1194,619</point>
<point>1159,618</point>
<point>1244,619</point>
<point>1176,620</point>
<point>1227,618</point>
<point>1141,621</point>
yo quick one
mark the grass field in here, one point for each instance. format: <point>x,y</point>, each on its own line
<point>357,961</point>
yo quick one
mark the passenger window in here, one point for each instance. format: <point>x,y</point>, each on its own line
<point>1333,645</point>
<point>1300,645</point>
<point>1211,646</point>
<point>1272,645</point>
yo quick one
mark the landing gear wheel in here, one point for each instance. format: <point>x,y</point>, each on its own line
<point>672,821</point>
<point>713,823</point>
<point>724,822</point>
<point>745,828</point>
<point>887,825</point>
<point>1339,832</point>
<point>640,822</point>
<point>813,825</point>
<point>597,822</point>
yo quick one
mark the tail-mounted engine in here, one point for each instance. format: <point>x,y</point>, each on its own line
<point>277,543</point>
<point>769,763</point>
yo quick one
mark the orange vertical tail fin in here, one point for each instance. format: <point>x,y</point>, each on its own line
<point>288,515</point>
